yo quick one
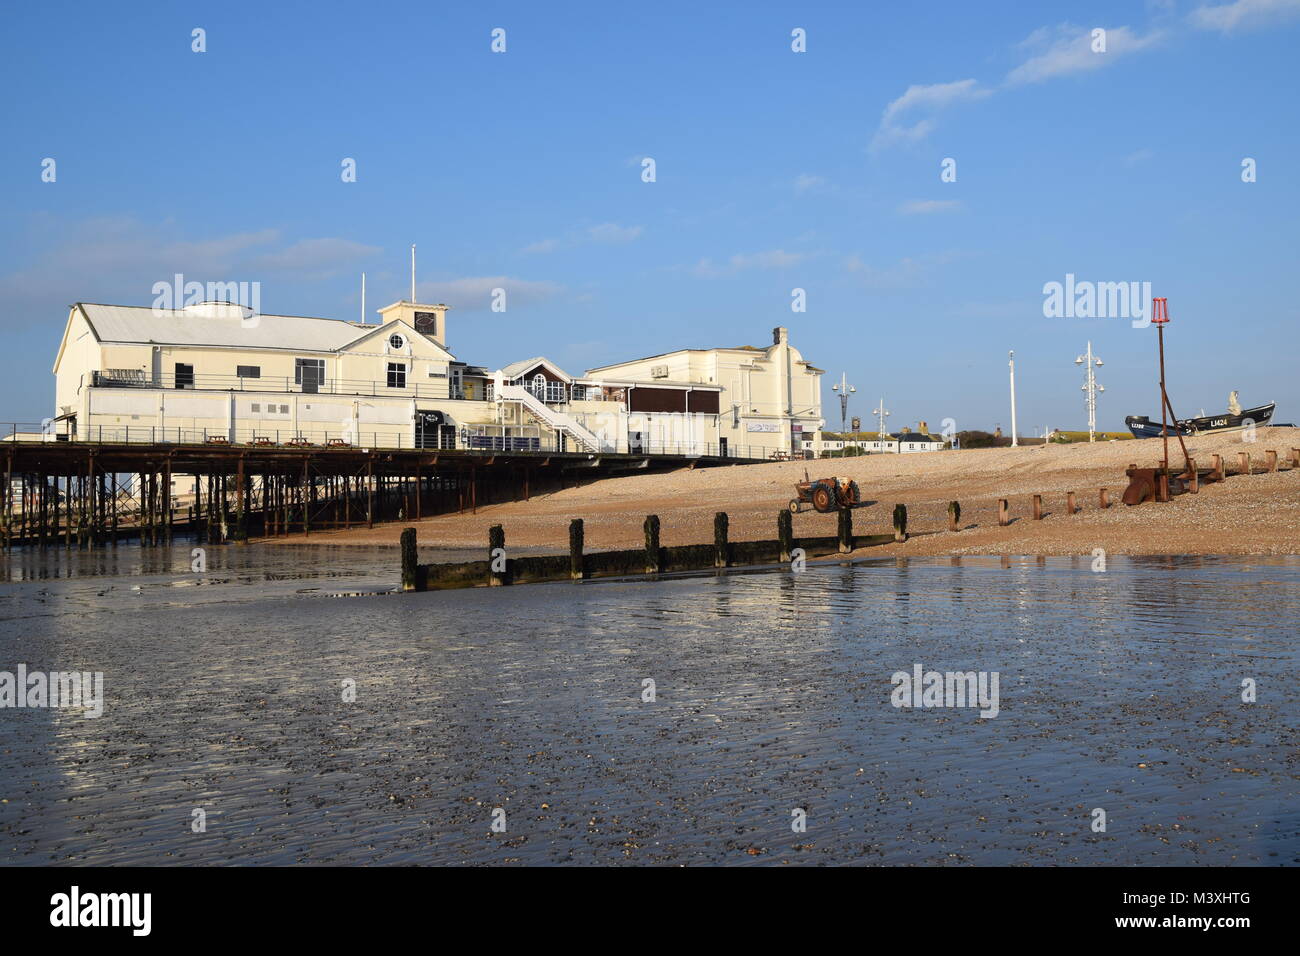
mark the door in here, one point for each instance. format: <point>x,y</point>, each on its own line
<point>184,375</point>
<point>722,447</point>
<point>311,376</point>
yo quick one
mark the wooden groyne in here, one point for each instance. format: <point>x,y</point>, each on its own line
<point>500,569</point>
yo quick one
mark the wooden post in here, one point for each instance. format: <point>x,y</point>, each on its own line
<point>1217,475</point>
<point>576,538</point>
<point>652,544</point>
<point>845,530</point>
<point>1038,507</point>
<point>1071,506</point>
<point>785,532</point>
<point>1243,463</point>
<point>1194,477</point>
<point>721,525</point>
<point>900,522</point>
<point>1270,460</point>
<point>410,559</point>
<point>1162,488</point>
<point>1003,518</point>
<point>496,556</point>
<point>1295,457</point>
<point>954,516</point>
<point>1103,498</point>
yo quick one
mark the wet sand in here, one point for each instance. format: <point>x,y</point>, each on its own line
<point>1259,514</point>
<point>1119,690</point>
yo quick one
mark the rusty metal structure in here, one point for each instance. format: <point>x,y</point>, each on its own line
<point>825,494</point>
<point>88,494</point>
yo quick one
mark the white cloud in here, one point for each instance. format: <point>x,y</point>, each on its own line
<point>773,259</point>
<point>806,181</point>
<point>1067,49</point>
<point>932,97</point>
<point>613,232</point>
<point>316,258</point>
<point>542,247</point>
<point>925,207</point>
<point>1243,14</point>
<point>474,293</point>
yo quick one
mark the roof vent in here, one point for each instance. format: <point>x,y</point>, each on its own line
<point>219,310</point>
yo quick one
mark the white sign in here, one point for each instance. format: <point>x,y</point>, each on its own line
<point>762,427</point>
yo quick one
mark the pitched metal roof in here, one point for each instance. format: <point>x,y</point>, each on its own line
<point>222,327</point>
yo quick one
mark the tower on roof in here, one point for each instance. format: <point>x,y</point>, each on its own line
<point>426,318</point>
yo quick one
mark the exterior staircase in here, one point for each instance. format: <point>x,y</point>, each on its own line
<point>555,420</point>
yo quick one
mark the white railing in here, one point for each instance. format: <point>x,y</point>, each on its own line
<point>558,421</point>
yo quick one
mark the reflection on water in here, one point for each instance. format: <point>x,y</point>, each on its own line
<point>1119,690</point>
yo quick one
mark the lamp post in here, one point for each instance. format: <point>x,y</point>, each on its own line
<point>1091,388</point>
<point>881,412</point>
<point>1012,357</point>
<point>845,390</point>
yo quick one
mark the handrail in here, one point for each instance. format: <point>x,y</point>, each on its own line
<point>557,420</point>
<point>276,384</point>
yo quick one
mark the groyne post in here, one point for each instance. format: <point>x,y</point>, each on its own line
<point>900,522</point>
<point>576,539</point>
<point>496,556</point>
<point>720,528</point>
<point>1270,460</point>
<point>785,533</point>
<point>1218,468</point>
<point>1004,518</point>
<point>1295,457</point>
<point>954,516</point>
<point>410,559</point>
<point>1194,477</point>
<point>1243,463</point>
<point>652,544</point>
<point>1103,498</point>
<point>1038,507</point>
<point>1071,506</point>
<point>845,530</point>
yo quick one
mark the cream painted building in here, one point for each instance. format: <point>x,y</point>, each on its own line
<point>218,372</point>
<point>770,401</point>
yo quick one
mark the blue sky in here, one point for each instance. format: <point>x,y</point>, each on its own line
<point>775,170</point>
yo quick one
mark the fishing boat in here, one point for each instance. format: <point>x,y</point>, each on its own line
<point>1235,417</point>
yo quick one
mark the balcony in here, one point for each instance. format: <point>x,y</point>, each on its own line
<point>196,381</point>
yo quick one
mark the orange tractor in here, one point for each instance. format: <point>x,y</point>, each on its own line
<point>825,494</point>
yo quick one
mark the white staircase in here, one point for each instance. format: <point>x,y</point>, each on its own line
<point>556,421</point>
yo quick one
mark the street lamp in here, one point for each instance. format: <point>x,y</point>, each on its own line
<point>881,412</point>
<point>845,390</point>
<point>1091,388</point>
<point>1011,356</point>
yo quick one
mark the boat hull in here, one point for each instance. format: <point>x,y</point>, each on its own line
<point>1142,427</point>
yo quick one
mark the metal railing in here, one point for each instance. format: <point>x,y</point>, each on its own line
<point>283,383</point>
<point>474,438</point>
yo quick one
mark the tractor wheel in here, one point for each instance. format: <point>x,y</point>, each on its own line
<point>823,498</point>
<point>794,506</point>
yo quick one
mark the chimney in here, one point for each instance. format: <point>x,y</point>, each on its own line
<point>780,335</point>
<point>923,428</point>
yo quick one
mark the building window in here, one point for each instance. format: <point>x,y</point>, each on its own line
<point>396,375</point>
<point>489,391</point>
<point>395,341</point>
<point>248,371</point>
<point>257,407</point>
<point>184,375</point>
<point>309,373</point>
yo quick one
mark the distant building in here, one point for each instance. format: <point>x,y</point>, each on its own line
<point>770,398</point>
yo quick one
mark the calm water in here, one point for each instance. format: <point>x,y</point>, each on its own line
<point>1118,690</point>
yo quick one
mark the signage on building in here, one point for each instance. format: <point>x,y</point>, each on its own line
<point>762,427</point>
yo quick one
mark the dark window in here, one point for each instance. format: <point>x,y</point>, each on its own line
<point>309,373</point>
<point>396,375</point>
<point>184,375</point>
<point>248,371</point>
<point>396,341</point>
